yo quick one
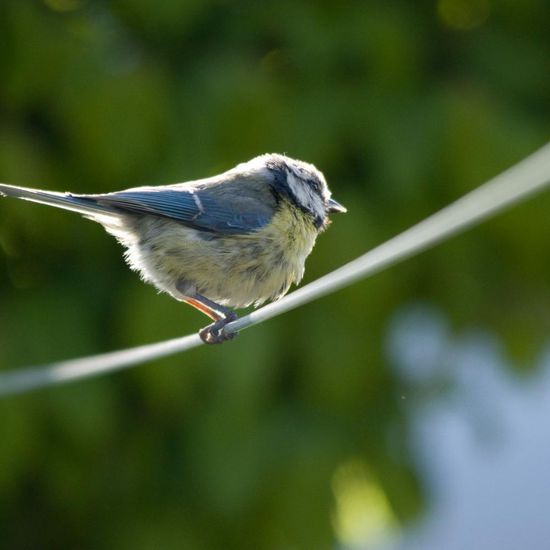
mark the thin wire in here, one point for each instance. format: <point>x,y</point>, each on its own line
<point>526,178</point>
<point>30,378</point>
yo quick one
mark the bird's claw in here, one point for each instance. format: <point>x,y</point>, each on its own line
<point>215,333</point>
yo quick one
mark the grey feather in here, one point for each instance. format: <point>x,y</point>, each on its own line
<point>52,198</point>
<point>236,207</point>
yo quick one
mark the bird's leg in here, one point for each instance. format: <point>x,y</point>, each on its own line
<point>214,333</point>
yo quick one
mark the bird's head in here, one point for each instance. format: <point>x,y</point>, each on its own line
<point>302,184</point>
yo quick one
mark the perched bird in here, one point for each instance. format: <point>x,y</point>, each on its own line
<point>228,241</point>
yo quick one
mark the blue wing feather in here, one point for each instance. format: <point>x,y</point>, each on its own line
<point>198,209</point>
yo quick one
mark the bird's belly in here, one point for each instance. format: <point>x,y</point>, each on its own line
<point>235,270</point>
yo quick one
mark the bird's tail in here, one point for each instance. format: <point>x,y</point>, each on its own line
<point>81,204</point>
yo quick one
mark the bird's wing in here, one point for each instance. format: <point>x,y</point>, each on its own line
<point>228,213</point>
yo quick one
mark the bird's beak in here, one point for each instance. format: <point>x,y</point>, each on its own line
<point>334,207</point>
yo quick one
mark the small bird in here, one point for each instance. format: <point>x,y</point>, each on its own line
<point>227,241</point>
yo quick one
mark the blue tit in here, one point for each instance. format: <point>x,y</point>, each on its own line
<point>228,241</point>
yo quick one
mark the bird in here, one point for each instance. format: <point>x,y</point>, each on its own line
<point>219,243</point>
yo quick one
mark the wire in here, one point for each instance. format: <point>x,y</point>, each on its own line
<point>25,379</point>
<point>524,179</point>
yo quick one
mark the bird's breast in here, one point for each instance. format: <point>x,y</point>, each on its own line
<point>262,265</point>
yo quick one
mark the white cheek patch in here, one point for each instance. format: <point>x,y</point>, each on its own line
<point>306,196</point>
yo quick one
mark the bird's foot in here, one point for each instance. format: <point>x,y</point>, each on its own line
<point>215,333</point>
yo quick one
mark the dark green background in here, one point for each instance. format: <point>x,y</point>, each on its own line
<point>405,106</point>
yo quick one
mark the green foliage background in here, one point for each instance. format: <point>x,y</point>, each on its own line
<point>404,106</point>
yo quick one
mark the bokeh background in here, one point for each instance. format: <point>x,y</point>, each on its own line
<point>409,410</point>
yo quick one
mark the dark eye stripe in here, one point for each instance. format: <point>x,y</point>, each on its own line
<point>313,182</point>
